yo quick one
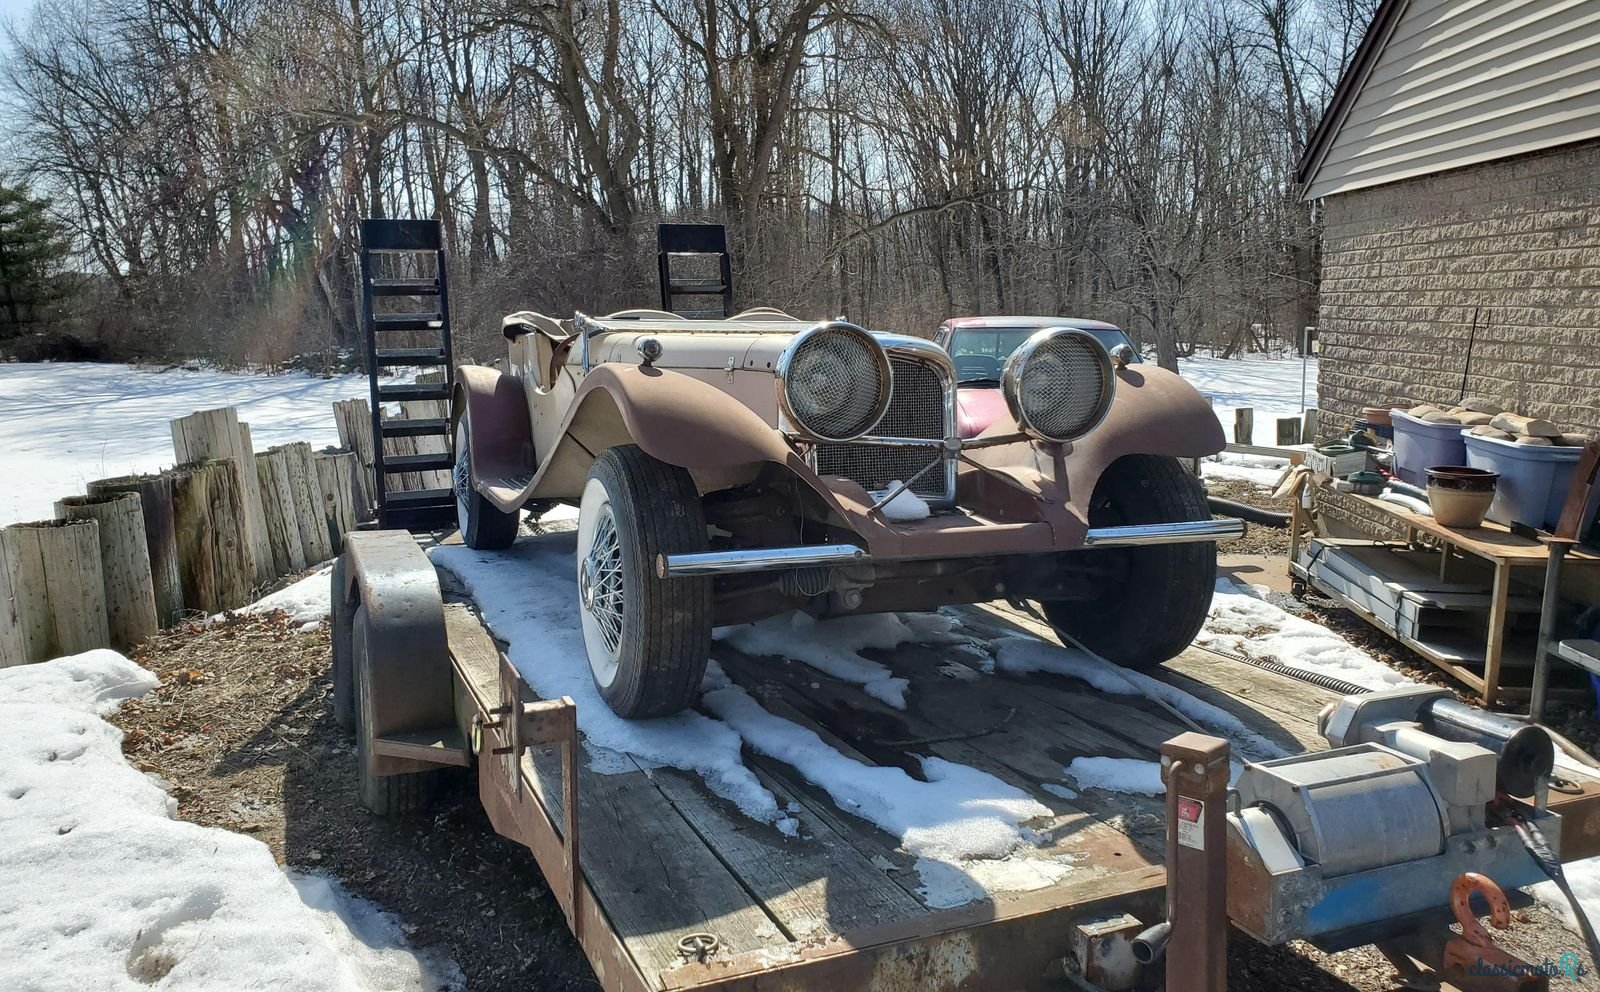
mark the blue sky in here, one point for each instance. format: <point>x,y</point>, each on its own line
<point>14,9</point>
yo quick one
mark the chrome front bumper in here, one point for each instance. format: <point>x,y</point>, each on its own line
<point>830,555</point>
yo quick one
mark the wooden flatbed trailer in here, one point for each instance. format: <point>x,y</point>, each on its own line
<point>667,887</point>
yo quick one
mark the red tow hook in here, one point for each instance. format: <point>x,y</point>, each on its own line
<point>1473,958</point>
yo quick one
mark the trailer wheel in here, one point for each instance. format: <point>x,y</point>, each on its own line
<point>647,638</point>
<point>1154,606</point>
<point>484,526</point>
<point>384,795</point>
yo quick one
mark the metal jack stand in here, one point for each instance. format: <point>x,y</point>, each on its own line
<point>1195,934</point>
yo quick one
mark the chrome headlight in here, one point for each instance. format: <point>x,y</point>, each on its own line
<point>834,381</point>
<point>1059,384</point>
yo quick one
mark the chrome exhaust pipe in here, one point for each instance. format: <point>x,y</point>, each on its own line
<point>826,555</point>
<point>758,560</point>
<point>1183,532</point>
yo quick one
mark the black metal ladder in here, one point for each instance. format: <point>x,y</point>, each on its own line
<point>403,265</point>
<point>680,240</point>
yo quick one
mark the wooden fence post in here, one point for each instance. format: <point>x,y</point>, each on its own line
<point>354,419</point>
<point>1308,433</point>
<point>1244,425</point>
<point>208,510</point>
<point>335,478</point>
<point>52,596</point>
<point>130,596</point>
<point>283,517</point>
<point>208,434</point>
<point>155,503</point>
<point>308,503</point>
<point>1288,431</point>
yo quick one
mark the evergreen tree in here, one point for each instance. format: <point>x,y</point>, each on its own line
<point>33,249</point>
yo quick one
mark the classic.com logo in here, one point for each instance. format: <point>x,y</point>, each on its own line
<point>1567,966</point>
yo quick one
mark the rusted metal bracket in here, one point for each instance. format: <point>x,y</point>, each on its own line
<point>521,722</point>
<point>1475,950</point>
<point>1195,770</point>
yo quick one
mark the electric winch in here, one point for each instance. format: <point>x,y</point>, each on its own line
<point>1337,847</point>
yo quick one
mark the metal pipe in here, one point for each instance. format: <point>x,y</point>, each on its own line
<point>1545,646</point>
<point>758,560</point>
<point>1151,942</point>
<point>1137,535</point>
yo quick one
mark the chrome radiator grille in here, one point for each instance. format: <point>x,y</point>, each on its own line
<point>917,410</point>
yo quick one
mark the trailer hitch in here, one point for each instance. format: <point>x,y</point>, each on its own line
<point>1474,953</point>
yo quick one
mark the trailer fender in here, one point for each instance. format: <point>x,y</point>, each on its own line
<point>673,417</point>
<point>411,686</point>
<point>499,436</point>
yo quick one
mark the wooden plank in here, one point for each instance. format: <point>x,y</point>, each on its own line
<point>1243,425</point>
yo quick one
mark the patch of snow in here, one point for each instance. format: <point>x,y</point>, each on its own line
<point>1584,877</point>
<point>528,595</point>
<point>834,646</point>
<point>907,506</point>
<point>1021,655</point>
<point>1242,622</point>
<point>1118,775</point>
<point>1261,470</point>
<point>945,885</point>
<point>308,602</point>
<point>370,940</point>
<point>63,424</point>
<point>954,813</point>
<point>1270,386</point>
<point>101,888</point>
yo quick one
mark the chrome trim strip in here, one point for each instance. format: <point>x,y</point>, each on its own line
<point>758,560</point>
<point>1184,532</point>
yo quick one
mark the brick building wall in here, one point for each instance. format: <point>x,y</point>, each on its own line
<point>1405,265</point>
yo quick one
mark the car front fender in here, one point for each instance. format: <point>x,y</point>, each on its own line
<point>673,417</point>
<point>499,435</point>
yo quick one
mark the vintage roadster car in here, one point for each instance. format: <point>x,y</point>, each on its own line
<point>729,470</point>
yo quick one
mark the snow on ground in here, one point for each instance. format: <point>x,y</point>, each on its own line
<point>1584,877</point>
<point>64,424</point>
<point>101,888</point>
<point>1262,470</point>
<point>833,646</point>
<point>307,602</point>
<point>1242,622</point>
<point>1270,386</point>
<point>1118,775</point>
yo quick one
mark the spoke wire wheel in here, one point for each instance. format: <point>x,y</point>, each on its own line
<point>483,525</point>
<point>461,477</point>
<point>601,594</point>
<point>647,638</point>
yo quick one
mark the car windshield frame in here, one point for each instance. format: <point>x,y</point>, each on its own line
<point>1009,339</point>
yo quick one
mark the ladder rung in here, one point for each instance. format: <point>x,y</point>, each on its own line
<point>697,288</point>
<point>419,427</point>
<point>407,322</point>
<point>411,356</point>
<point>412,498</point>
<point>414,391</point>
<point>405,287</point>
<point>417,463</point>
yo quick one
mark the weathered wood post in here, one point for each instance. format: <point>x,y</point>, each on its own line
<point>1288,431</point>
<point>208,509</point>
<point>130,595</point>
<point>207,434</point>
<point>161,546</point>
<point>283,518</point>
<point>52,596</point>
<point>431,444</point>
<point>308,503</point>
<point>1244,420</point>
<point>354,419</point>
<point>1308,432</point>
<point>336,474</point>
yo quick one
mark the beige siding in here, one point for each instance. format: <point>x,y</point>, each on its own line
<point>1405,266</point>
<point>1460,82</point>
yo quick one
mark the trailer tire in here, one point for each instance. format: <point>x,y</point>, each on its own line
<point>383,795</point>
<point>1153,611</point>
<point>647,638</point>
<point>484,526</point>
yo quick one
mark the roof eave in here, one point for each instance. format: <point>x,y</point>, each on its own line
<point>1344,94</point>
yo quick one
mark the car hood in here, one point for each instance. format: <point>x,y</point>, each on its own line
<point>976,408</point>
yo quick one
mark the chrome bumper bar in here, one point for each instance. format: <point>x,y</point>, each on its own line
<point>828,555</point>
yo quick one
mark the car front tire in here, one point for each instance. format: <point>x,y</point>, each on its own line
<point>647,638</point>
<point>1157,601</point>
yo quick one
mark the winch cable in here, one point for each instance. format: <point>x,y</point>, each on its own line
<point>1534,840</point>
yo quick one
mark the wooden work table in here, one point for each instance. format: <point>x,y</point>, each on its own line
<point>1493,543</point>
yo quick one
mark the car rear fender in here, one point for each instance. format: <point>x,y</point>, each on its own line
<point>675,418</point>
<point>500,436</point>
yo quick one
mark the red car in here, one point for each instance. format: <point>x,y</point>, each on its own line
<point>979,347</point>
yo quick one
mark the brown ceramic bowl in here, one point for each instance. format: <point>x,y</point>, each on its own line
<point>1460,478</point>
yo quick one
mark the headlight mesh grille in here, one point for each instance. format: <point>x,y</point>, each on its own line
<point>835,384</point>
<point>1065,385</point>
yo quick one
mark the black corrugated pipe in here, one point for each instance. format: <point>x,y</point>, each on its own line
<point>1246,512</point>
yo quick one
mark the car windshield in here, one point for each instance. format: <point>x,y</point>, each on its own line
<point>979,353</point>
